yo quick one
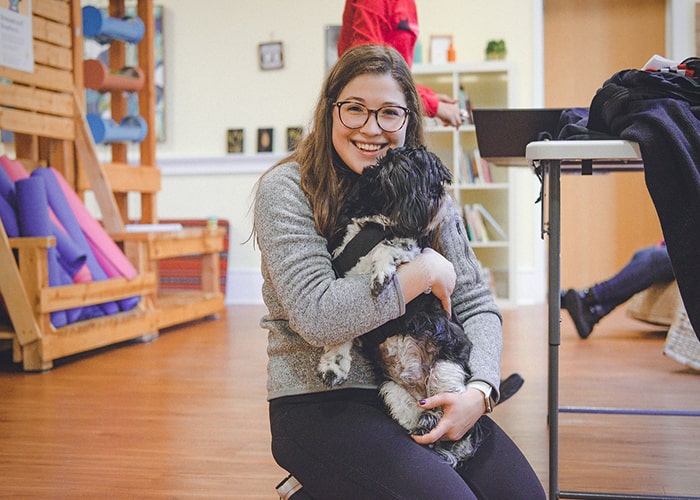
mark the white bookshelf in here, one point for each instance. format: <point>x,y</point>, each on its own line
<point>488,84</point>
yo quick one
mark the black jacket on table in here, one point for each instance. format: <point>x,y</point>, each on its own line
<point>661,112</point>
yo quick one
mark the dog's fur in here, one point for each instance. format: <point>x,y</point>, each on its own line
<point>424,352</point>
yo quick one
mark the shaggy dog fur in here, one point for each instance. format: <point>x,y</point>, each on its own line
<point>423,352</point>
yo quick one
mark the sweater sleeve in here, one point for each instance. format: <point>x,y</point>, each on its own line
<point>430,100</point>
<point>322,309</point>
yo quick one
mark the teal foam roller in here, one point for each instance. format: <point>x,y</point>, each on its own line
<point>107,131</point>
<point>99,26</point>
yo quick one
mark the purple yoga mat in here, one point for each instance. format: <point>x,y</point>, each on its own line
<point>108,254</point>
<point>71,259</point>
<point>60,207</point>
<point>33,219</point>
<point>9,219</point>
<point>7,183</point>
<point>70,256</point>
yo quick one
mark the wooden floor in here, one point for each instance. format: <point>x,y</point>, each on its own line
<point>185,416</point>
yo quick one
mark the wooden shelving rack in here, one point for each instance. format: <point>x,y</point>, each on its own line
<point>45,109</point>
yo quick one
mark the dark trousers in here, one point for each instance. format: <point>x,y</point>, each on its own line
<point>647,267</point>
<point>342,445</point>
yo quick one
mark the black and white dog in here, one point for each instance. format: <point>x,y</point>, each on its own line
<point>393,215</point>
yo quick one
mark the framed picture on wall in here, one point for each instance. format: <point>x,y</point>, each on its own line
<point>294,135</point>
<point>234,140</point>
<point>439,45</point>
<point>270,55</point>
<point>264,140</point>
<point>332,35</point>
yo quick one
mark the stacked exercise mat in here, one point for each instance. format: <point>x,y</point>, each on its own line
<point>43,204</point>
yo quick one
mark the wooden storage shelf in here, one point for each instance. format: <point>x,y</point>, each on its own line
<point>144,250</point>
<point>45,109</point>
<point>40,343</point>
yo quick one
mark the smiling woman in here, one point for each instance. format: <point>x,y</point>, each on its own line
<point>369,104</point>
<point>358,139</point>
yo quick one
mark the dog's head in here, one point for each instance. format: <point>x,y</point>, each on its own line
<point>407,187</point>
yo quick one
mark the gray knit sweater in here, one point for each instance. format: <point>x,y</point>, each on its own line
<point>308,307</point>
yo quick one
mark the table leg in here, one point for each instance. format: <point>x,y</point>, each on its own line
<point>552,168</point>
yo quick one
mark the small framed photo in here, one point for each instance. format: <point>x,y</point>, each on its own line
<point>439,45</point>
<point>270,55</point>
<point>234,140</point>
<point>264,140</point>
<point>294,135</point>
<point>332,35</point>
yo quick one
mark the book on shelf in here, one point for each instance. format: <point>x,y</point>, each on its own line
<point>482,168</point>
<point>490,222</point>
<point>464,173</point>
<point>465,105</point>
<point>475,225</point>
<point>482,227</point>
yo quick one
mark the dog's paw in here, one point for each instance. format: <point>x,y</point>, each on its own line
<point>426,423</point>
<point>334,370</point>
<point>331,379</point>
<point>379,283</point>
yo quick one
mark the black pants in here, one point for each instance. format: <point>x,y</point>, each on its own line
<point>342,445</point>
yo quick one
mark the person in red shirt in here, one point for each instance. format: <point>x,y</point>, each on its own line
<point>394,23</point>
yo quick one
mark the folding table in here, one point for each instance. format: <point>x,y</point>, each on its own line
<point>549,159</point>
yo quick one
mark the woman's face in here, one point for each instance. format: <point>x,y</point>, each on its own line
<point>361,147</point>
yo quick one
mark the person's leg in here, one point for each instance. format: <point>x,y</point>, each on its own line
<point>342,444</point>
<point>587,307</point>
<point>498,469</point>
<point>648,266</point>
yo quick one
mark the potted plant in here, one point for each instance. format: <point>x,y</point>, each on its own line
<point>496,49</point>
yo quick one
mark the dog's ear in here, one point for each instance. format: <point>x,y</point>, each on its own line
<point>444,172</point>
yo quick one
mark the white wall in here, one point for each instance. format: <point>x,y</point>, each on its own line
<point>213,83</point>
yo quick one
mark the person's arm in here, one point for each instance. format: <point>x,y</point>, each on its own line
<point>429,273</point>
<point>322,309</point>
<point>440,106</point>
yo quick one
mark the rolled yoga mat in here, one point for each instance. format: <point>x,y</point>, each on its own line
<point>33,218</point>
<point>9,219</point>
<point>70,256</point>
<point>68,219</point>
<point>109,257</point>
<point>98,25</point>
<point>107,131</point>
<point>7,180</point>
<point>99,77</point>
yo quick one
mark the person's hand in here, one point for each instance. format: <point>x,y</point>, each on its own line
<point>442,276</point>
<point>460,411</point>
<point>448,111</point>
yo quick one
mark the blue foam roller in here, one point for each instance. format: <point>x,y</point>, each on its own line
<point>106,130</point>
<point>98,25</point>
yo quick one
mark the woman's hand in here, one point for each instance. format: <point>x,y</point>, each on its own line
<point>441,276</point>
<point>448,111</point>
<point>460,411</point>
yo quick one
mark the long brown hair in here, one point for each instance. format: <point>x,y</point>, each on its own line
<point>325,179</point>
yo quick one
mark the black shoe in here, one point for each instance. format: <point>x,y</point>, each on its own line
<point>581,310</point>
<point>509,386</point>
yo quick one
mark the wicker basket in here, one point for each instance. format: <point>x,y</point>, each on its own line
<point>657,304</point>
<point>681,343</point>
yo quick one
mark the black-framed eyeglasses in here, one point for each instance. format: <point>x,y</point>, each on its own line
<point>355,115</point>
